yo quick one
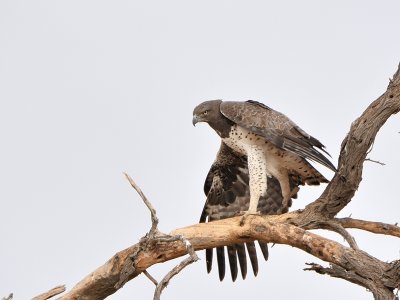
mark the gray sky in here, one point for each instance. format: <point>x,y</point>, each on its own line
<point>89,89</point>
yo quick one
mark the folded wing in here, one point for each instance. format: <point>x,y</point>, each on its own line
<point>276,128</point>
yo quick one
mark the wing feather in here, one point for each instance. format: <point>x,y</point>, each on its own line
<point>232,261</point>
<point>276,128</point>
<point>251,248</point>
<point>209,258</point>
<point>228,193</point>
<point>241,254</point>
<point>221,262</point>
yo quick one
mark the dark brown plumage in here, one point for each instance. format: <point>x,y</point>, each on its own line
<point>227,190</point>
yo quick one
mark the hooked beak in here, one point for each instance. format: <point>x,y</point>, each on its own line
<point>195,120</point>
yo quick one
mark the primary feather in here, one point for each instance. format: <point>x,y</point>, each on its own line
<point>227,191</point>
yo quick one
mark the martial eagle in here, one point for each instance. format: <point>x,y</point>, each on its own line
<point>258,169</point>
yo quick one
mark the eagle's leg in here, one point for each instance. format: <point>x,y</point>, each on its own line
<point>283,179</point>
<point>257,178</point>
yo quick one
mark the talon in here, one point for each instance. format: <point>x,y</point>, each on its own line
<point>246,214</point>
<point>240,213</point>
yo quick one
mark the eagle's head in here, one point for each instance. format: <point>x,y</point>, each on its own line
<point>207,111</point>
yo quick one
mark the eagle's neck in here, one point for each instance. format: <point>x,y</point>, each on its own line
<point>222,126</point>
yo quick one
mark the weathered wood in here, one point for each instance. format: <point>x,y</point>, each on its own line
<point>353,153</point>
<point>103,281</point>
<point>51,293</point>
<point>374,227</point>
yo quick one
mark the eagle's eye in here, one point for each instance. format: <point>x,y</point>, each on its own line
<point>205,113</point>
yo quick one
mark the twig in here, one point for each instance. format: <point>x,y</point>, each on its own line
<point>154,220</point>
<point>129,267</point>
<point>154,236</point>
<point>375,161</point>
<point>338,272</point>
<point>152,279</point>
<point>338,228</point>
<point>51,293</point>
<point>374,227</point>
<point>164,282</point>
<point>350,275</point>
<point>187,261</point>
<point>9,297</point>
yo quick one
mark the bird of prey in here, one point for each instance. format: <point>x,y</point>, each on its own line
<point>258,169</point>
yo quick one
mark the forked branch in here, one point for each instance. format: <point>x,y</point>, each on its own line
<point>154,219</point>
<point>354,150</point>
<point>152,237</point>
<point>175,271</point>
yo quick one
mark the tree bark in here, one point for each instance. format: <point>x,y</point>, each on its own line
<point>375,274</point>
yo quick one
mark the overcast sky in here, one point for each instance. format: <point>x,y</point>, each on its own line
<point>89,89</point>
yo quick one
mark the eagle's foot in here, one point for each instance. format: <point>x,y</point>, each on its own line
<point>246,214</point>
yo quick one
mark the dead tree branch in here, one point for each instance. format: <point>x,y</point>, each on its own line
<point>102,282</point>
<point>155,235</point>
<point>375,161</point>
<point>151,278</point>
<point>175,271</point>
<point>349,275</point>
<point>338,228</point>
<point>374,227</point>
<point>9,297</point>
<point>51,293</point>
<point>154,219</point>
<point>351,264</point>
<point>354,149</point>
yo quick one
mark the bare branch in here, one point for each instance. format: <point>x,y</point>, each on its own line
<point>163,284</point>
<point>187,261</point>
<point>103,281</point>
<point>338,228</point>
<point>9,297</point>
<point>374,227</point>
<point>336,271</point>
<point>354,149</point>
<point>154,219</point>
<point>129,267</point>
<point>153,236</point>
<point>375,161</point>
<point>380,293</point>
<point>152,279</point>
<point>51,293</point>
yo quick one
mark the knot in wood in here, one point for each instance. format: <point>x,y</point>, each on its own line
<point>260,228</point>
